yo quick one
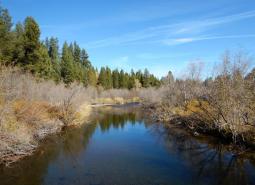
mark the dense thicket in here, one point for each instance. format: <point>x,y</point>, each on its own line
<point>20,45</point>
<point>222,104</point>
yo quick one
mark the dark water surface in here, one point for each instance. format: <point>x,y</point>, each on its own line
<point>121,147</point>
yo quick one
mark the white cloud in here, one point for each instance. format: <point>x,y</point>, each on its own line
<point>201,25</point>
<point>178,41</point>
<point>157,33</point>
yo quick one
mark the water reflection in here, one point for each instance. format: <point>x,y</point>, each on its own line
<point>116,117</point>
<point>211,159</point>
<point>122,146</point>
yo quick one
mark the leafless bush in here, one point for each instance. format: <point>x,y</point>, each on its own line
<point>31,108</point>
<point>232,96</point>
<point>225,102</point>
<point>152,95</point>
<point>121,93</point>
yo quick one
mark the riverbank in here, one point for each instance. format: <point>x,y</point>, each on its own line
<point>28,138</point>
<point>222,105</point>
<point>121,145</point>
<point>31,109</point>
<point>192,118</point>
<point>20,139</point>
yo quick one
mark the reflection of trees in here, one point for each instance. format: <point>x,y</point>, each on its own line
<point>31,169</point>
<point>210,160</point>
<point>108,117</point>
<point>71,142</point>
<point>115,121</point>
<point>74,141</point>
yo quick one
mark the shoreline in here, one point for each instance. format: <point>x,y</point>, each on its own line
<point>85,111</point>
<point>83,114</point>
<point>18,151</point>
<point>242,142</point>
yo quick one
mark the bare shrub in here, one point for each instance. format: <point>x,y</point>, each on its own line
<point>152,95</point>
<point>224,102</point>
<point>112,93</point>
<point>117,96</point>
<point>231,96</point>
<point>31,108</point>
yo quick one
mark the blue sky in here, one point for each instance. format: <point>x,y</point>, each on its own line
<point>160,35</point>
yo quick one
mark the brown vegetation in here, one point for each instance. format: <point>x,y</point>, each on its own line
<point>117,96</point>
<point>223,105</point>
<point>32,108</point>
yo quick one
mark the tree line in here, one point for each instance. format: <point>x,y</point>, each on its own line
<point>20,45</point>
<point>120,79</point>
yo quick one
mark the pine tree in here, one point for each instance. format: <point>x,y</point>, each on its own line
<point>115,78</point>
<point>6,36</point>
<point>126,81</point>
<point>102,77</point>
<point>78,71</point>
<point>53,49</point>
<point>108,79</point>
<point>31,43</point>
<point>71,49</point>
<point>131,81</point>
<point>154,82</point>
<point>47,43</point>
<point>139,76</point>
<point>85,59</point>
<point>76,53</point>
<point>18,52</point>
<point>43,67</point>
<point>67,71</point>
<point>146,78</point>
<point>122,79</point>
<point>92,77</point>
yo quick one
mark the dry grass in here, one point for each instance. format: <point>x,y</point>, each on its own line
<point>31,108</point>
<point>116,100</point>
<point>82,114</point>
<point>152,95</point>
<point>117,96</point>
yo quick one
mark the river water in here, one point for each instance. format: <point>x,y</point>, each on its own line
<point>121,146</point>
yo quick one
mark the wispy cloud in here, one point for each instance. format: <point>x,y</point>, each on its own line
<point>159,33</point>
<point>178,41</point>
<point>123,39</point>
<point>201,25</point>
<point>120,17</point>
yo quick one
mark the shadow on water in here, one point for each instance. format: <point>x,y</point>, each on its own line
<point>211,160</point>
<point>122,146</point>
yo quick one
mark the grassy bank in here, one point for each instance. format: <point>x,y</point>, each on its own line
<point>33,108</point>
